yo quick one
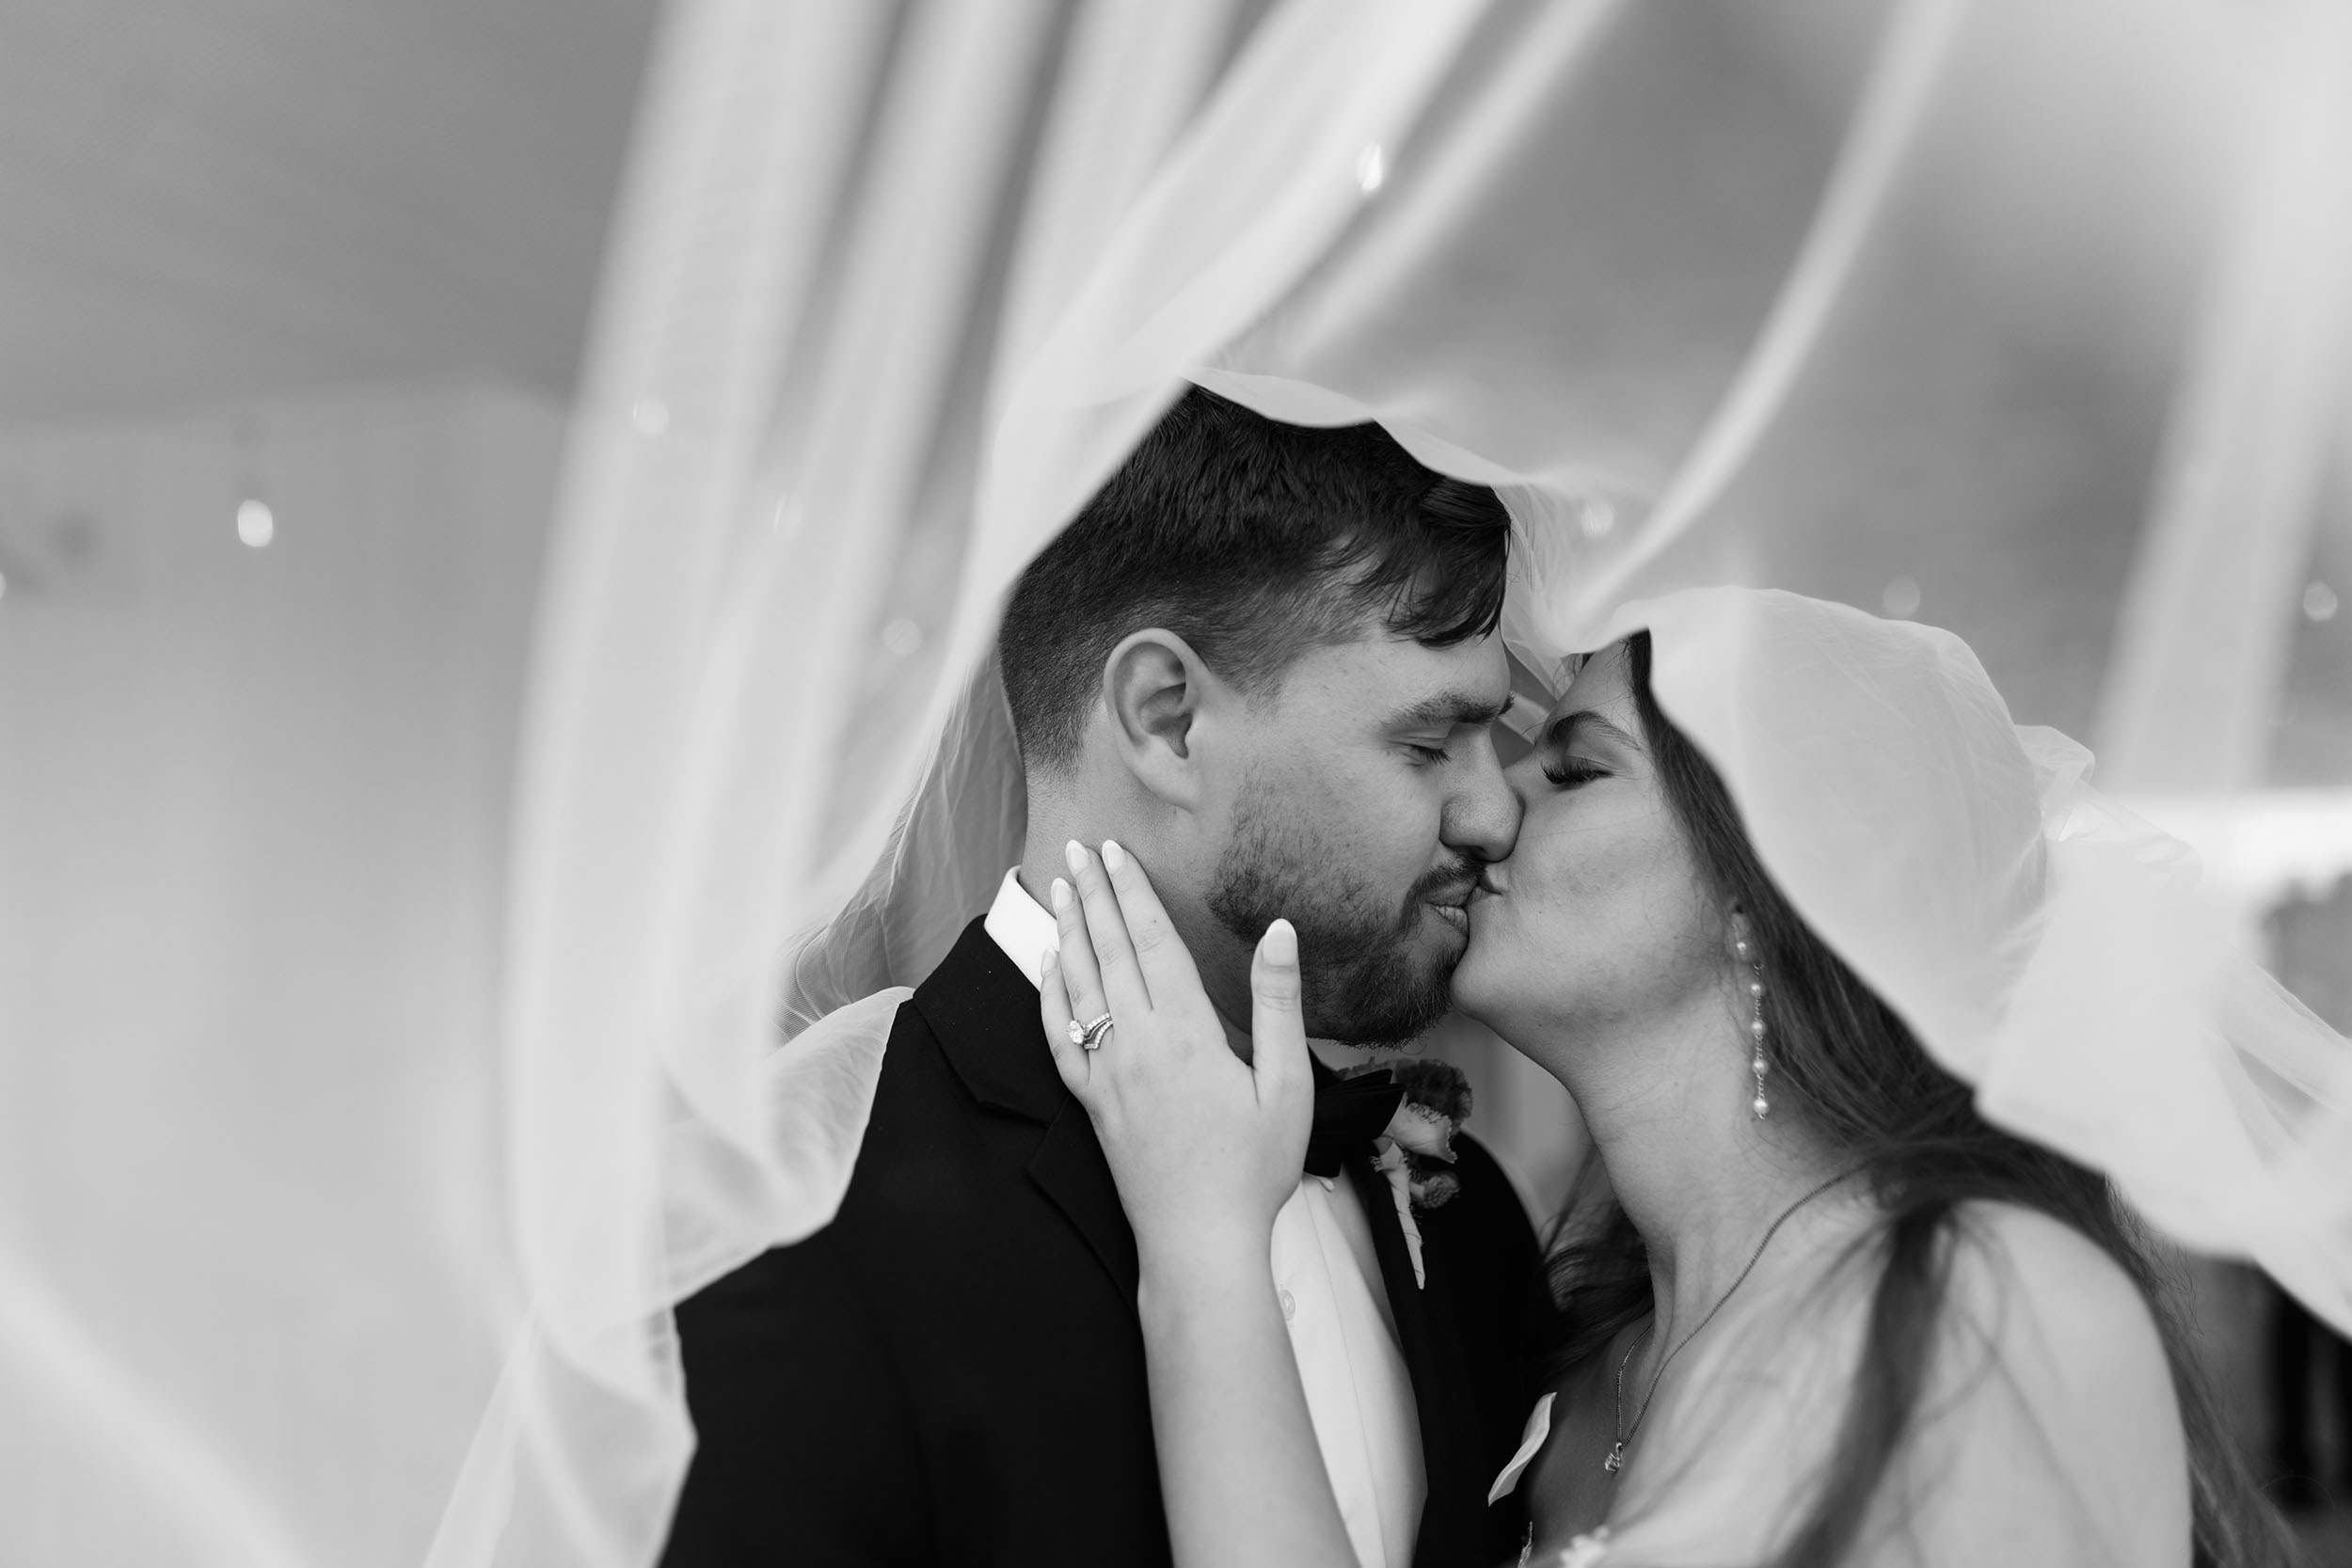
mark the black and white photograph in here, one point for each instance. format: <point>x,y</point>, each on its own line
<point>1175,784</point>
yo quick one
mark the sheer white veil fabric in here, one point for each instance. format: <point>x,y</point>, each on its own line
<point>1706,290</point>
<point>855,241</point>
<point>2045,946</point>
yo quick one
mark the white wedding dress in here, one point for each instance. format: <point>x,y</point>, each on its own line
<point>1586,1550</point>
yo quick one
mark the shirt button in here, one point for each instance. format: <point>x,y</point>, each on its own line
<point>1289,1305</point>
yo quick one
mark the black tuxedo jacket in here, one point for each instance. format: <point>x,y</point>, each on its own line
<point>952,1372</point>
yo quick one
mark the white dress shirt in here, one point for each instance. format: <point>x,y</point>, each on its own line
<point>1342,1329</point>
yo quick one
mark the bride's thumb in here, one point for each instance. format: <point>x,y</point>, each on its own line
<point>1277,1023</point>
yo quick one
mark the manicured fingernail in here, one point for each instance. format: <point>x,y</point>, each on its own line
<point>1050,962</point>
<point>1075,853</point>
<point>1113,856</point>
<point>1280,945</point>
<point>1060,894</point>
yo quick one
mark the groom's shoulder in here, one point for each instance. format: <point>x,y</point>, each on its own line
<point>969,1038</point>
<point>963,1049</point>
<point>926,1138</point>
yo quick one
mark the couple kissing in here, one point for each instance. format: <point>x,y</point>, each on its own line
<point>1127,1273</point>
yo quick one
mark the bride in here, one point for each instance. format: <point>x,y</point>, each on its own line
<point>1808,1308</point>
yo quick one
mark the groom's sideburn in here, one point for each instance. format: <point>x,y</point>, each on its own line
<point>953,1370</point>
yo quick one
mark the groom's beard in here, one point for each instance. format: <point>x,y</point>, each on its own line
<point>1365,978</point>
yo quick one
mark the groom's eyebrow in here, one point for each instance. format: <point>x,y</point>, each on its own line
<point>1446,709</point>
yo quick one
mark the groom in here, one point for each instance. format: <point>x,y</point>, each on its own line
<point>1264,659</point>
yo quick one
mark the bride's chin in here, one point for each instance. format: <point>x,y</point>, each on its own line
<point>1488,982</point>
<point>1471,1010</point>
<point>1473,994</point>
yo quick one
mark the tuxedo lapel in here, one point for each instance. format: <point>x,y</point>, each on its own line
<point>1453,1521</point>
<point>983,1010</point>
<point>1069,1168</point>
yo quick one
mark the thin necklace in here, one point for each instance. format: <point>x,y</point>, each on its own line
<point>1616,1461</point>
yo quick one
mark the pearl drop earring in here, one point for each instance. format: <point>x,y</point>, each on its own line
<point>1760,1064</point>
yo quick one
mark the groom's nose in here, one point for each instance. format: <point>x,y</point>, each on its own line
<point>1482,817</point>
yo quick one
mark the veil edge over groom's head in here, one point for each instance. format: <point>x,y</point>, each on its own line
<point>1254,540</point>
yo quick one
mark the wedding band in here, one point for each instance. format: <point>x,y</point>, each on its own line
<point>1093,1034</point>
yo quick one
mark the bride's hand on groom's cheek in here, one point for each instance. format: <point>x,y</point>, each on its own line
<point>1205,1147</point>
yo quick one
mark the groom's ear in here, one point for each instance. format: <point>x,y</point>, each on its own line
<point>1158,690</point>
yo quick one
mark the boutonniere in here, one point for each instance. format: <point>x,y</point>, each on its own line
<point>1419,1136</point>
<point>1437,1102</point>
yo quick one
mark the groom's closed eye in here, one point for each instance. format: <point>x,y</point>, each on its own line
<point>1448,710</point>
<point>1430,728</point>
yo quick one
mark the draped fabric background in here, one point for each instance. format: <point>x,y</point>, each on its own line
<point>1916,304</point>
<point>254,1280</point>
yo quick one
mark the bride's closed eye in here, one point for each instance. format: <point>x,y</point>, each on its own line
<point>1570,772</point>
<point>1570,769</point>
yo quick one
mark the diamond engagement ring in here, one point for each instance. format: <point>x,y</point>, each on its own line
<point>1090,1036</point>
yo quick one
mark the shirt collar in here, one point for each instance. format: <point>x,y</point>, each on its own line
<point>1022,927</point>
<point>1026,932</point>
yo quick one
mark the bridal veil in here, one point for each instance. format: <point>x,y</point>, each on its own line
<point>2047,945</point>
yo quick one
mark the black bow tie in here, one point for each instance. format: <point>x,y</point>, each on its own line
<point>1349,1114</point>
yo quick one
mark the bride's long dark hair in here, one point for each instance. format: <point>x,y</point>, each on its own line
<point>1865,1086</point>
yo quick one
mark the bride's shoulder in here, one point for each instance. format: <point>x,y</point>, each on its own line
<point>2047,1300</point>
<point>2049,1412</point>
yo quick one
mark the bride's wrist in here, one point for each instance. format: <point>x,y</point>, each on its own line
<point>1205,1261</point>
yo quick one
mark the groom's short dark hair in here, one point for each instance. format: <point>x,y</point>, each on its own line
<point>1253,540</point>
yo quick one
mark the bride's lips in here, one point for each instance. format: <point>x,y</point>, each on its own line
<point>1489,887</point>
